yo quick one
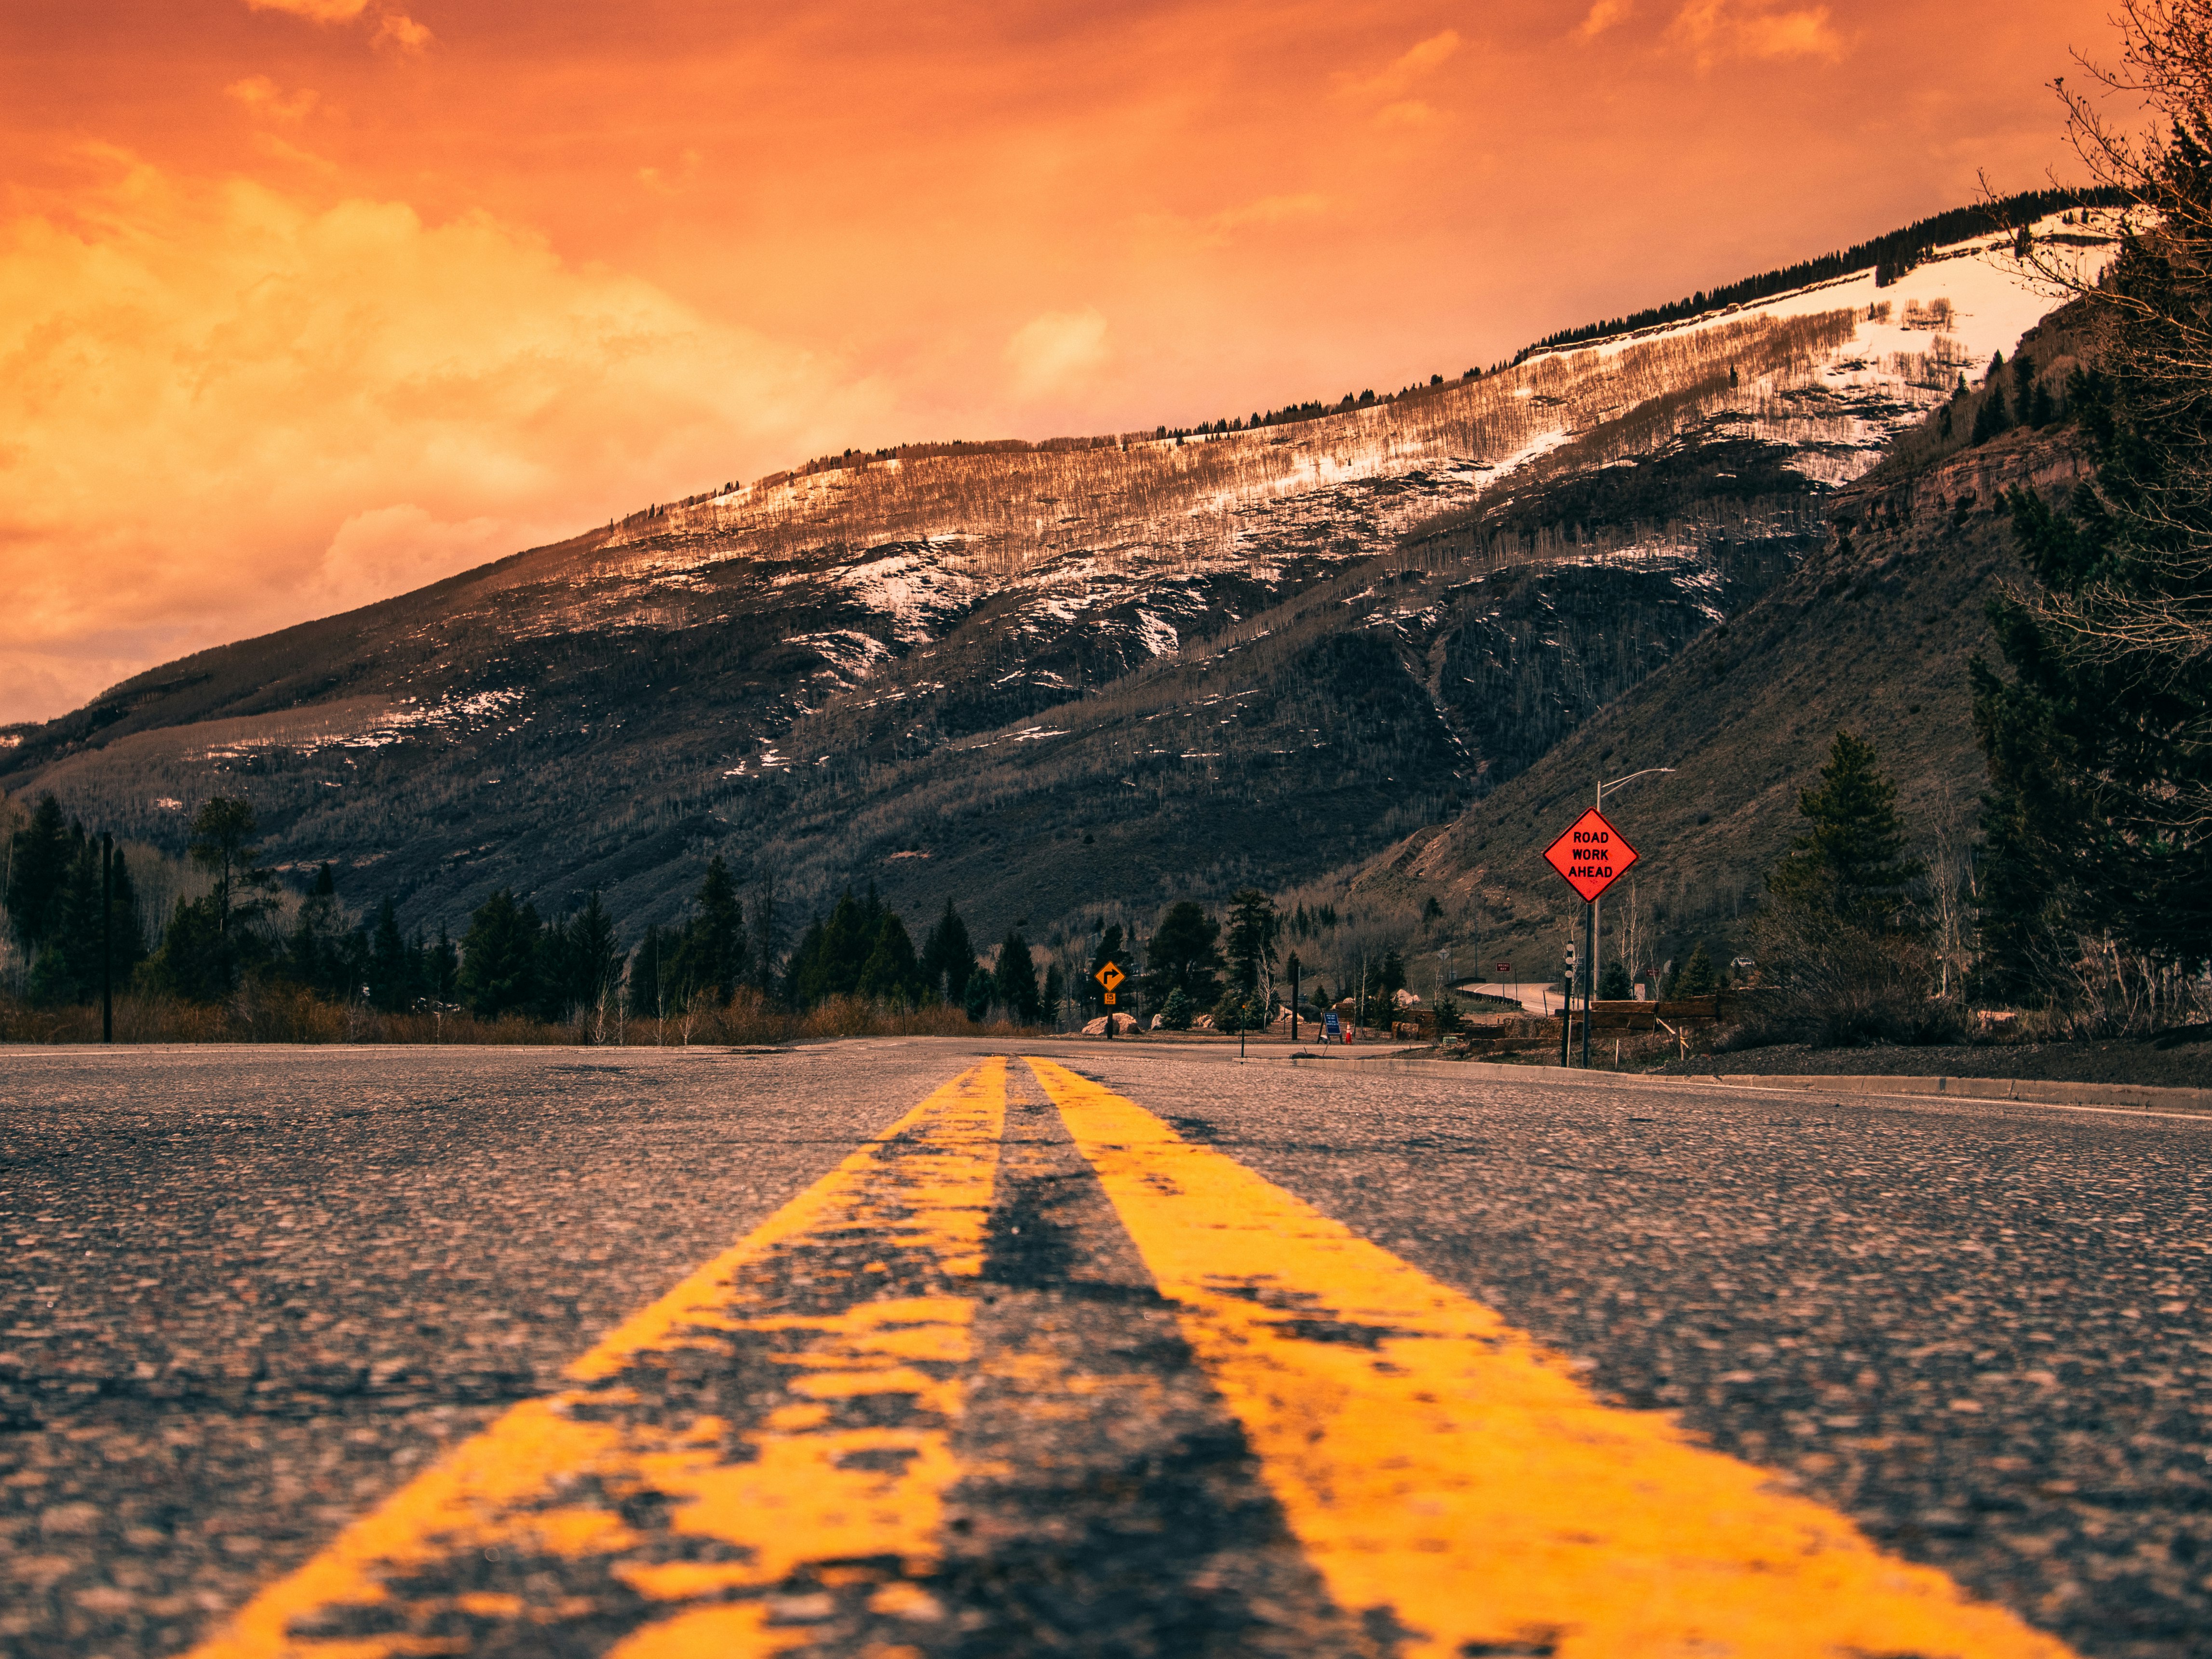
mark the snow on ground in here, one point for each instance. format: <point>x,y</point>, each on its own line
<point>1991,299</point>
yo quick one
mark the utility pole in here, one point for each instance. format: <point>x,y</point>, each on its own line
<point>106,937</point>
<point>1292,964</point>
<point>1602,787</point>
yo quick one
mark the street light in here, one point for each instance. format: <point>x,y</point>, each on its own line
<point>1589,997</point>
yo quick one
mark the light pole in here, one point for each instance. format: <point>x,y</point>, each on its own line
<point>1589,996</point>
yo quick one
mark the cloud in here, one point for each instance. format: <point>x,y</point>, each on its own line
<point>1269,210</point>
<point>1715,29</point>
<point>1407,112</point>
<point>264,102</point>
<point>322,11</point>
<point>395,29</point>
<point>661,182</point>
<point>1407,68</point>
<point>1050,353</point>
<point>397,549</point>
<point>400,32</point>
<point>1603,15</point>
<point>225,409</point>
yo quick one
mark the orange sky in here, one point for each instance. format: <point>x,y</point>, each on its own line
<point>303,302</point>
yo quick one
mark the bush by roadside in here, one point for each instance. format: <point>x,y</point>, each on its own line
<point>2156,1063</point>
<point>257,1013</point>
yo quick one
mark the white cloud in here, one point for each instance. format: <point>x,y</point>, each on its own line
<point>1057,351</point>
<point>1603,14</point>
<point>225,411</point>
<point>1715,29</point>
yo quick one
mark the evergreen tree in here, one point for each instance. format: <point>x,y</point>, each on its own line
<point>391,964</point>
<point>1850,861</point>
<point>829,959</point>
<point>1697,978</point>
<point>442,968</point>
<point>976,999</point>
<point>67,971</point>
<point>713,945</point>
<point>499,956</point>
<point>1993,417</point>
<point>948,958</point>
<point>892,973</point>
<point>1055,996</point>
<point>2099,733</point>
<point>1014,983</point>
<point>1253,929</point>
<point>648,974</point>
<point>1613,984</point>
<point>39,864</point>
<point>222,844</point>
<point>586,961</point>
<point>1184,956</point>
<point>314,953</point>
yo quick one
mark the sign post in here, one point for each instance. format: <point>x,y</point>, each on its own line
<point>1292,964</point>
<point>1591,856</point>
<point>1110,978</point>
<point>1567,1006</point>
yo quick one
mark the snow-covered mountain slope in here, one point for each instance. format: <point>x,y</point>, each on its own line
<point>1403,604</point>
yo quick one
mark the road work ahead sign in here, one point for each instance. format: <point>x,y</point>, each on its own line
<point>1591,855</point>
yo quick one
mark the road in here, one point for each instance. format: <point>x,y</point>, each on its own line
<point>922,1347</point>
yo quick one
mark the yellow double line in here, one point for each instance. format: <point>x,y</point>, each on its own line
<point>1448,1479</point>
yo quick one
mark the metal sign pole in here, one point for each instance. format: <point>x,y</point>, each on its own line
<point>106,937</point>
<point>1567,1008</point>
<point>1590,983</point>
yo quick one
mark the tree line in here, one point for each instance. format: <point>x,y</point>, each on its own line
<point>511,960</point>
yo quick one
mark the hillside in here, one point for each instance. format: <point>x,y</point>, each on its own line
<point>1259,655</point>
<point>1874,633</point>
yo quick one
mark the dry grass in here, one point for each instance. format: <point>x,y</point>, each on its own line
<point>260,1013</point>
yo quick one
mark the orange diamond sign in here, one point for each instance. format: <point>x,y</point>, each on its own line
<point>1592,856</point>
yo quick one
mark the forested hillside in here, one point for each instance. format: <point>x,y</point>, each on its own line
<point>1046,679</point>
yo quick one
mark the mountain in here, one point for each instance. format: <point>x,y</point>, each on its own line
<point>1872,633</point>
<point>1038,678</point>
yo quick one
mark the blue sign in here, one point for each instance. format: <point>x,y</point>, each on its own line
<point>1332,1029</point>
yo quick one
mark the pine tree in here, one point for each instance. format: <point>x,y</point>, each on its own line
<point>1253,929</point>
<point>43,853</point>
<point>223,845</point>
<point>1697,978</point>
<point>1013,983</point>
<point>648,974</point>
<point>2100,808</point>
<point>391,964</point>
<point>718,954</point>
<point>892,973</point>
<point>499,956</point>
<point>1850,861</point>
<point>592,958</point>
<point>312,954</point>
<point>948,958</point>
<point>1184,956</point>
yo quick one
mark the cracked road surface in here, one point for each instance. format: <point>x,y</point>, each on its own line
<point>911,1348</point>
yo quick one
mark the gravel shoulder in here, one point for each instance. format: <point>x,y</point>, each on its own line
<point>2136,1061</point>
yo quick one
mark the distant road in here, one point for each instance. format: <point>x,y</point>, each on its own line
<point>929,1347</point>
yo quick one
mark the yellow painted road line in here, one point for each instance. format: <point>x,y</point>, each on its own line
<point>636,1505</point>
<point>1442,1470</point>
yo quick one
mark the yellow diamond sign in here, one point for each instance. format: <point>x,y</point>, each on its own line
<point>1110,977</point>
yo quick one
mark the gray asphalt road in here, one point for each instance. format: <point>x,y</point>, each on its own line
<point>252,1294</point>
